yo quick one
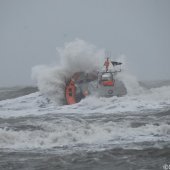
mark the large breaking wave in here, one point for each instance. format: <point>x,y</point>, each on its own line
<point>32,121</point>
<point>74,57</point>
<point>124,121</point>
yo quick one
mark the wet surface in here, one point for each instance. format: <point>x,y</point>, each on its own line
<point>73,138</point>
<point>119,159</point>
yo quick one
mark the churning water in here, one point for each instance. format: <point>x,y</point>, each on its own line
<point>128,132</point>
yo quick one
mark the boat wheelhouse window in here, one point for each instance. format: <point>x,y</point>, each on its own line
<point>107,77</point>
<point>70,92</point>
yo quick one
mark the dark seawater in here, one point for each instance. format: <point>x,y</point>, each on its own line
<point>72,141</point>
<point>13,92</point>
<point>119,159</point>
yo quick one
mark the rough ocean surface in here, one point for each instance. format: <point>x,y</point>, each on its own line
<point>129,132</point>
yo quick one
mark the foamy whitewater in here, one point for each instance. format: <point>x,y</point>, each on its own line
<point>38,122</point>
<point>74,57</point>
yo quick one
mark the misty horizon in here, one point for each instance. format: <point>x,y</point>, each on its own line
<point>32,30</point>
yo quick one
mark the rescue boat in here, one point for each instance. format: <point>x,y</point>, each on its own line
<point>101,82</point>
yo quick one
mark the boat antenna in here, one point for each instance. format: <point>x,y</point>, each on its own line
<point>108,54</point>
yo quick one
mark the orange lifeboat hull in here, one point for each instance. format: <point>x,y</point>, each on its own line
<point>71,93</point>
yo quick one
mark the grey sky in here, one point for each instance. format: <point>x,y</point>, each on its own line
<point>30,31</point>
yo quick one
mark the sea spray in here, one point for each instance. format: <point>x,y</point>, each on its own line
<point>74,57</point>
<point>129,80</point>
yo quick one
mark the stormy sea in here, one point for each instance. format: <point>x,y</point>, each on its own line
<point>39,132</point>
<point>128,132</point>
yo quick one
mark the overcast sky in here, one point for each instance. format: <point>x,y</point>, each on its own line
<point>30,31</point>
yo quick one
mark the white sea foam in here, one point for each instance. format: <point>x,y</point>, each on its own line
<point>74,57</point>
<point>155,99</point>
<point>67,132</point>
<point>62,131</point>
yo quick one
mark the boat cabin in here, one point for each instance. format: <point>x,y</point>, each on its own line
<point>106,79</point>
